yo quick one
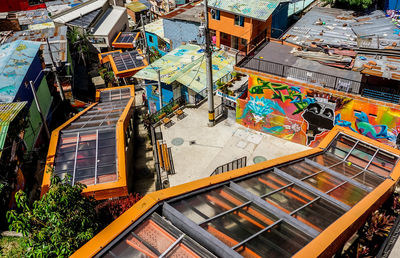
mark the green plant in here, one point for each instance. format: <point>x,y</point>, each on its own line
<point>11,246</point>
<point>57,224</point>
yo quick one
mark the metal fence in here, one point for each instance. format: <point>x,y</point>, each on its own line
<point>154,136</point>
<point>312,77</point>
<point>238,163</point>
<point>167,109</point>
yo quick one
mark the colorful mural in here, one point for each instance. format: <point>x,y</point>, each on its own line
<point>306,114</point>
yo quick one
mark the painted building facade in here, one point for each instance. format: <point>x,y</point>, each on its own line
<point>235,24</point>
<point>157,43</point>
<point>19,64</point>
<point>305,114</point>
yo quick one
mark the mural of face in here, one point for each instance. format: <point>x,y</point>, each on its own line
<point>320,117</point>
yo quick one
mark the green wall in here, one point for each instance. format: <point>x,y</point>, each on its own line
<point>35,123</point>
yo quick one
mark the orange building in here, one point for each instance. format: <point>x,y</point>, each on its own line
<point>94,147</point>
<point>306,204</point>
<point>237,24</point>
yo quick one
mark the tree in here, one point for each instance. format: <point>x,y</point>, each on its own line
<point>79,42</point>
<point>354,4</point>
<point>57,224</point>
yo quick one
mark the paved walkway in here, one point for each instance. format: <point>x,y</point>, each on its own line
<point>205,148</point>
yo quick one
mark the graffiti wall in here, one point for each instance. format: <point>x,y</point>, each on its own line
<point>305,114</point>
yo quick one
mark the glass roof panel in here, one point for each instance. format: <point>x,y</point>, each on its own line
<point>156,237</point>
<point>319,215</point>
<point>326,159</point>
<point>282,240</point>
<point>323,181</point>
<point>348,194</point>
<point>264,183</point>
<point>290,198</point>
<point>300,169</point>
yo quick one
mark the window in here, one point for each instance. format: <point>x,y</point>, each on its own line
<point>239,20</point>
<point>243,42</point>
<point>224,35</point>
<point>215,14</point>
<point>151,39</point>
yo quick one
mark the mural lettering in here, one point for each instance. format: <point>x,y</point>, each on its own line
<point>305,115</point>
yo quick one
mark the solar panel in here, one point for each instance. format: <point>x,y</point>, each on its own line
<point>85,20</point>
<point>125,37</point>
<point>128,60</point>
<point>109,54</point>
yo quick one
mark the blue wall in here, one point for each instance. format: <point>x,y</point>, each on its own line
<point>280,19</point>
<point>24,93</point>
<point>153,98</point>
<point>178,31</point>
<point>155,43</point>
<point>392,4</point>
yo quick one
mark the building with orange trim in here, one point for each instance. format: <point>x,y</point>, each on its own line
<point>95,146</point>
<point>127,64</point>
<point>238,24</point>
<point>126,40</point>
<point>304,205</point>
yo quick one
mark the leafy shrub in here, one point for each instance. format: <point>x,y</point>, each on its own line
<point>57,224</point>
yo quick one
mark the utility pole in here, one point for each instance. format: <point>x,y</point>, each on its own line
<point>208,53</point>
<point>145,52</point>
<point>159,88</point>
<point>54,69</point>
<point>40,110</point>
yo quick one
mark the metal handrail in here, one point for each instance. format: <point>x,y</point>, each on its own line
<point>235,164</point>
<point>313,77</point>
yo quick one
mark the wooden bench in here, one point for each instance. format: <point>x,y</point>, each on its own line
<point>175,107</point>
<point>166,121</point>
<point>179,113</point>
<point>162,116</point>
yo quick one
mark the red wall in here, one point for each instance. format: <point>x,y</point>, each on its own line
<point>18,5</point>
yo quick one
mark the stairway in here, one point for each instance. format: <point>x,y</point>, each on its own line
<point>144,178</point>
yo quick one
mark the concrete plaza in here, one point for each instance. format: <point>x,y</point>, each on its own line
<point>199,149</point>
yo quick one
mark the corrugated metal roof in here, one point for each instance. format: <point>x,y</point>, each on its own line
<point>337,27</point>
<point>8,111</point>
<point>186,65</point>
<point>257,9</point>
<point>33,17</point>
<point>57,39</point>
<point>136,6</point>
<point>15,60</point>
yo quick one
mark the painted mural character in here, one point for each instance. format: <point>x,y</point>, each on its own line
<point>320,117</point>
<point>260,108</point>
<point>364,127</point>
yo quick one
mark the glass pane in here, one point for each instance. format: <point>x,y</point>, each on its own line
<point>348,194</point>
<point>300,169</point>
<point>383,163</point>
<point>320,214</point>
<point>323,181</point>
<point>263,184</point>
<point>236,226</point>
<point>346,169</point>
<point>282,240</point>
<point>291,198</point>
<point>209,204</point>
<point>369,179</point>
<point>326,160</point>
<point>361,154</point>
<point>341,146</point>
